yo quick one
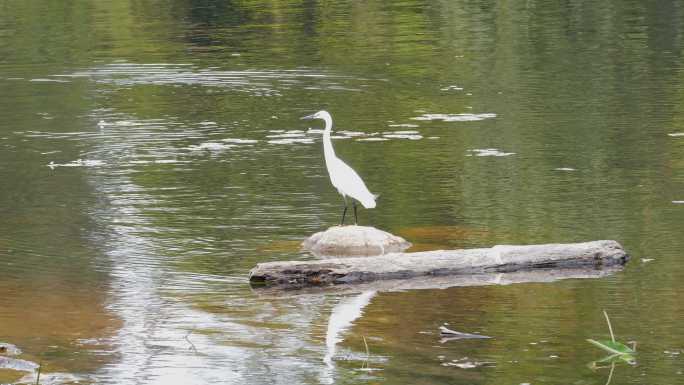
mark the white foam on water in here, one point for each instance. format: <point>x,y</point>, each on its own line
<point>675,134</point>
<point>405,125</point>
<point>46,80</point>
<point>455,117</point>
<point>211,146</point>
<point>240,141</point>
<point>291,141</point>
<point>253,81</point>
<point>564,169</point>
<point>221,145</point>
<point>351,133</point>
<point>407,132</point>
<point>371,139</point>
<point>488,152</point>
<point>451,88</point>
<point>288,134</point>
<point>158,161</point>
<point>403,136</point>
<point>678,202</point>
<point>78,163</point>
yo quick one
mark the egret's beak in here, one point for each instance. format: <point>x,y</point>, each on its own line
<point>308,117</point>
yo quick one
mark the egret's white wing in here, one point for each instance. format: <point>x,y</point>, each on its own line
<point>348,182</point>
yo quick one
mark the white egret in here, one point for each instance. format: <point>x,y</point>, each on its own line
<point>344,178</point>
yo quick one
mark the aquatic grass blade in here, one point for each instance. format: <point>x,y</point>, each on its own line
<point>610,328</point>
<point>613,347</point>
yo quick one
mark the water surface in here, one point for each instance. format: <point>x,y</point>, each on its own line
<point>152,153</point>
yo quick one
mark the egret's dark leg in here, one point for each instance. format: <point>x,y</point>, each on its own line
<point>356,220</point>
<point>345,211</point>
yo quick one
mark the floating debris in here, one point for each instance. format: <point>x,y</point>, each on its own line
<point>455,117</point>
<point>454,335</point>
<point>647,260</point>
<point>488,152</point>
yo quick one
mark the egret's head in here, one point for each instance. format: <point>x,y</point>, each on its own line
<point>319,115</point>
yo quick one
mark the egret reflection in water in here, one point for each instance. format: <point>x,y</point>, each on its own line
<point>341,318</point>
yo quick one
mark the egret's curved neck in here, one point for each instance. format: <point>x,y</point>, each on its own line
<point>327,142</point>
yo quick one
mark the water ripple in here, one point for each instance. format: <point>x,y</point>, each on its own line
<point>255,82</point>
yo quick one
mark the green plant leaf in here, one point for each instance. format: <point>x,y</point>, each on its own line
<point>628,358</point>
<point>613,347</point>
<point>615,358</point>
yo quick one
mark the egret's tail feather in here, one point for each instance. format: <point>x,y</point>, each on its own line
<point>369,202</point>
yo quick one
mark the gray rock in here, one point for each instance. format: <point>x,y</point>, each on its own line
<point>354,241</point>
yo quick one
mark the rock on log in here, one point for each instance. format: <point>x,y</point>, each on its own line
<point>354,241</point>
<point>504,258</point>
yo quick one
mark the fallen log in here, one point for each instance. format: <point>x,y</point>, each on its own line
<point>498,259</point>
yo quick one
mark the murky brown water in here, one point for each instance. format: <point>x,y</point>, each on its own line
<point>152,153</point>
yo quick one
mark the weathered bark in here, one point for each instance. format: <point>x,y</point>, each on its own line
<point>499,259</point>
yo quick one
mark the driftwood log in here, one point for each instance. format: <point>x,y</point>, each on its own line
<point>498,259</point>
